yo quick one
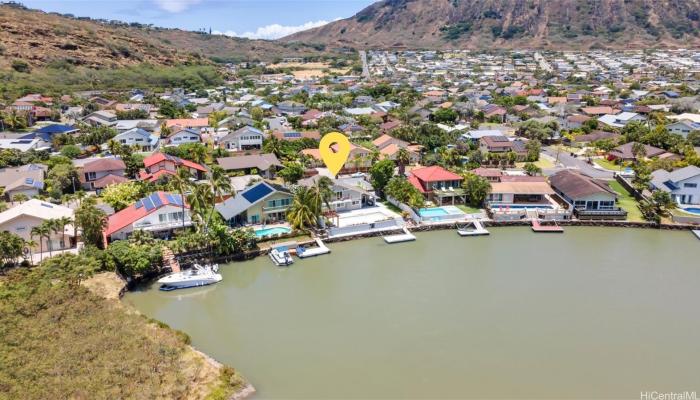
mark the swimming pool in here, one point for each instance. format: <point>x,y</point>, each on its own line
<point>692,210</point>
<point>432,212</point>
<point>272,231</point>
<point>521,206</point>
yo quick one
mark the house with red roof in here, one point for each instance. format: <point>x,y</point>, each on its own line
<point>159,213</point>
<point>437,184</point>
<point>159,165</point>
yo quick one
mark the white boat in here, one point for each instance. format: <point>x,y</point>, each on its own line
<point>197,276</point>
<point>281,257</point>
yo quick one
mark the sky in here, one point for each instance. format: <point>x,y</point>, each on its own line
<point>256,19</point>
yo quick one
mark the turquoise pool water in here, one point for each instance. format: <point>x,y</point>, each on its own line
<point>519,206</point>
<point>432,212</point>
<point>692,210</point>
<point>272,231</point>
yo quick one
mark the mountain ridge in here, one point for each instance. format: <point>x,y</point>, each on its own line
<point>512,24</point>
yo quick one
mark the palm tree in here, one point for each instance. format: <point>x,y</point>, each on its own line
<point>62,223</point>
<point>303,212</point>
<point>220,184</point>
<point>403,158</point>
<point>181,182</point>
<point>322,192</point>
<point>199,200</point>
<point>115,147</point>
<point>30,245</point>
<point>39,231</point>
<point>52,227</point>
<point>273,145</point>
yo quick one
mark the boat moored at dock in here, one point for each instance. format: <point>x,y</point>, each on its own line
<point>197,276</point>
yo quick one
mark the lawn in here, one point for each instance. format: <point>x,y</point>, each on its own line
<point>467,209</point>
<point>627,202</point>
<point>609,165</point>
<point>543,163</point>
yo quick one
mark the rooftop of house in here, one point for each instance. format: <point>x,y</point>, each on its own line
<point>140,209</point>
<point>262,162</point>
<point>576,185</point>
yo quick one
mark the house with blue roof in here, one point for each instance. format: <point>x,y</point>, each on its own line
<point>261,203</point>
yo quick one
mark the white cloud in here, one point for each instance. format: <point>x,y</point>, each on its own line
<point>176,6</point>
<point>275,31</point>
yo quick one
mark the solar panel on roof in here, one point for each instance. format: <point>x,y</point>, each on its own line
<point>292,134</point>
<point>138,204</point>
<point>29,181</point>
<point>499,139</point>
<point>156,200</point>
<point>148,204</point>
<point>257,192</point>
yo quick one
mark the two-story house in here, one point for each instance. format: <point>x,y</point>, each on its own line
<point>437,184</point>
<point>262,202</point>
<point>683,128</point>
<point>97,174</point>
<point>501,144</point>
<point>21,218</point>
<point>101,118</point>
<point>348,193</point>
<point>290,108</point>
<point>184,136</point>
<point>246,138</point>
<point>683,184</point>
<point>265,165</point>
<point>160,213</point>
<point>139,137</point>
<point>160,165</point>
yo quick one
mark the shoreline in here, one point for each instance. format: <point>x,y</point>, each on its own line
<point>112,287</point>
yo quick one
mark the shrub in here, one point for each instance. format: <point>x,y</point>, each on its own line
<point>20,66</point>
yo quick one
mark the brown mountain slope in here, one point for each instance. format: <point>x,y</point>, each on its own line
<point>488,24</point>
<point>40,38</point>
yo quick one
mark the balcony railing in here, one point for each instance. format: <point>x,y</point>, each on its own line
<point>276,208</point>
<point>616,212</point>
<point>161,226</point>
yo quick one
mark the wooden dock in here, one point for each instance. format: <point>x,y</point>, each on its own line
<point>404,237</point>
<point>169,260</point>
<point>537,227</point>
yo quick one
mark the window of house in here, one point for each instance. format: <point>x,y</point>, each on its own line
<point>580,203</point>
<point>91,176</point>
<point>606,205</point>
<point>690,185</point>
<point>162,218</point>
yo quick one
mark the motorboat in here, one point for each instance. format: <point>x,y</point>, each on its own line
<point>281,257</point>
<point>199,275</point>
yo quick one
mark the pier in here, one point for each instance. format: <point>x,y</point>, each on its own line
<point>472,228</point>
<point>537,227</point>
<point>403,237</point>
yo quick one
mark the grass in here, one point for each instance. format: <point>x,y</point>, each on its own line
<point>609,165</point>
<point>627,202</point>
<point>60,340</point>
<point>468,209</point>
<point>391,206</point>
<point>543,163</point>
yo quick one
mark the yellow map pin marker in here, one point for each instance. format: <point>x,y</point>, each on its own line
<point>334,158</point>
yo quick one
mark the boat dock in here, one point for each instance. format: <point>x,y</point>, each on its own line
<point>537,227</point>
<point>696,232</point>
<point>315,251</point>
<point>473,228</point>
<point>403,237</point>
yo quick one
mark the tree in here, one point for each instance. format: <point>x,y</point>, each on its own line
<point>657,207</point>
<point>121,195</point>
<point>322,192</point>
<point>403,158</point>
<point>20,197</point>
<point>639,151</point>
<point>476,188</point>
<point>181,182</point>
<point>532,169</point>
<point>220,185</point>
<point>71,151</point>
<point>63,177</point>
<point>40,231</point>
<point>92,221</point>
<point>292,172</point>
<point>443,115</point>
<point>380,174</point>
<point>11,247</point>
<point>132,259</point>
<point>403,191</point>
<point>536,130</point>
<point>303,213</point>
<point>61,224</point>
<point>257,113</point>
<point>200,200</point>
<point>642,176</point>
<point>533,148</point>
<point>216,117</point>
<point>70,268</point>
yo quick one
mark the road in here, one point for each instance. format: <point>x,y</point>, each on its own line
<point>365,67</point>
<point>567,161</point>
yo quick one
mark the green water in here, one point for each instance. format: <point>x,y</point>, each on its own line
<point>591,313</point>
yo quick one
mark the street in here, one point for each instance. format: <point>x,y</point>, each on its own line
<point>566,161</point>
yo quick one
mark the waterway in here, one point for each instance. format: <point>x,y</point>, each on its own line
<point>591,313</point>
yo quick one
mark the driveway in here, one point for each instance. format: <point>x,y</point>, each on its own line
<point>566,161</point>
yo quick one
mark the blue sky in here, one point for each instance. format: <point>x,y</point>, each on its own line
<point>265,19</point>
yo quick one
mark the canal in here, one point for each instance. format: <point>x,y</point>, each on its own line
<point>591,313</point>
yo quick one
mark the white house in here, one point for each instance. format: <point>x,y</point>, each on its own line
<point>621,119</point>
<point>246,138</point>
<point>160,213</point>
<point>184,136</point>
<point>22,218</point>
<point>683,128</point>
<point>683,184</point>
<point>139,137</point>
